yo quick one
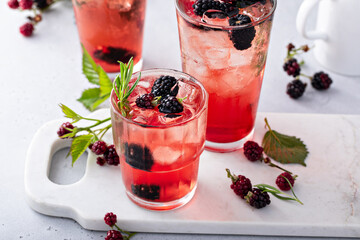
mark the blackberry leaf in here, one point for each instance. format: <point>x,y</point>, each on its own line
<point>70,113</point>
<point>79,145</point>
<point>91,98</point>
<point>284,149</point>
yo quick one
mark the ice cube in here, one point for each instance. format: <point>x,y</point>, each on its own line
<point>165,155</point>
<point>256,11</point>
<point>215,17</point>
<point>120,5</point>
<point>237,58</point>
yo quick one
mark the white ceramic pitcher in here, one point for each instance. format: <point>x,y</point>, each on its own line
<point>337,34</point>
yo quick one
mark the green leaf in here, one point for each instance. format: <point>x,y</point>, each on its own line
<point>284,149</point>
<point>89,67</point>
<point>91,98</point>
<point>70,113</point>
<point>105,83</point>
<point>79,145</point>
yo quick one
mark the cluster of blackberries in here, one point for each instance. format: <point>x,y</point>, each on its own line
<point>253,152</point>
<point>37,6</point>
<point>163,91</point>
<point>241,38</point>
<point>108,153</point>
<point>296,88</point>
<point>242,187</point>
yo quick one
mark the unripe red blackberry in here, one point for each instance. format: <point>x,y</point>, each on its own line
<point>110,219</point>
<point>26,4</point>
<point>27,29</point>
<point>99,147</point>
<point>253,151</point>
<point>64,129</point>
<point>111,157</point>
<point>282,183</point>
<point>14,4</point>
<point>241,185</point>
<point>100,161</point>
<point>113,235</point>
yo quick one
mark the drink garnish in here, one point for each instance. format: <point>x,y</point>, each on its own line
<point>122,89</point>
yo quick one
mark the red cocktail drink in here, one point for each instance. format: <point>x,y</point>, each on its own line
<point>111,30</point>
<point>159,152</point>
<point>225,46</point>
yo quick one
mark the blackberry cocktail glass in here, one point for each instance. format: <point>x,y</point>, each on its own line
<point>226,51</point>
<point>111,30</point>
<point>159,153</point>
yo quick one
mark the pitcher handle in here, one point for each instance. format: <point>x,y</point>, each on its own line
<point>302,16</point>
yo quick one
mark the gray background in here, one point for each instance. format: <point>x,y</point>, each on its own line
<point>40,72</point>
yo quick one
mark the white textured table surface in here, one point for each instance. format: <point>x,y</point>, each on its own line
<point>40,72</point>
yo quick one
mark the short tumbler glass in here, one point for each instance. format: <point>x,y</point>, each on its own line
<point>159,153</point>
<point>227,53</point>
<point>111,30</point>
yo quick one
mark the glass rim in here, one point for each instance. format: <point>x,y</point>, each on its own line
<point>203,106</point>
<point>215,26</point>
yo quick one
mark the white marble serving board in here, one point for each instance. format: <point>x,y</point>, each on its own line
<point>328,186</point>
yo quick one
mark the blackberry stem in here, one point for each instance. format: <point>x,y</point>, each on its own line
<point>233,178</point>
<point>130,234</point>
<point>304,75</point>
<point>269,163</point>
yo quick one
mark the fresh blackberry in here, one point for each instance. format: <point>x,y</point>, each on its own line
<point>42,4</point>
<point>321,81</point>
<point>27,29</point>
<point>64,129</point>
<point>296,88</point>
<point>170,104</point>
<point>144,101</point>
<point>201,6</point>
<point>100,161</point>
<point>292,67</point>
<point>257,199</point>
<point>113,235</point>
<point>165,85</point>
<point>112,55</point>
<point>111,157</point>
<point>138,157</point>
<point>110,219</point>
<point>99,147</point>
<point>241,38</point>
<point>240,184</point>
<point>14,4</point>
<point>149,192</point>
<point>253,151</point>
<point>282,183</point>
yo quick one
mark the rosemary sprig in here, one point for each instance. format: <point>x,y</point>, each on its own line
<point>122,89</point>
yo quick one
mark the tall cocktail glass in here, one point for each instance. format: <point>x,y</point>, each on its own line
<point>226,51</point>
<point>111,30</point>
<point>159,153</point>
